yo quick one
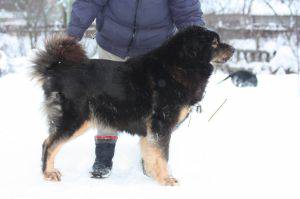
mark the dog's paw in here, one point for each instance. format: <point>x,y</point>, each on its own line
<point>52,175</point>
<point>169,181</point>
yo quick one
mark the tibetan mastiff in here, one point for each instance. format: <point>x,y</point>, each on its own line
<point>149,95</point>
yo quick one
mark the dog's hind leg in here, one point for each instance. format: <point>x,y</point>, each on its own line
<point>52,146</point>
<point>66,123</point>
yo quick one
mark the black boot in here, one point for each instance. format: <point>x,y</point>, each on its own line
<point>143,167</point>
<point>105,150</point>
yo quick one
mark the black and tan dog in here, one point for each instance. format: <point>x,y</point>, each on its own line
<point>147,95</point>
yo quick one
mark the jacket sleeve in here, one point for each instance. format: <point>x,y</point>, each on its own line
<point>83,14</point>
<point>186,13</point>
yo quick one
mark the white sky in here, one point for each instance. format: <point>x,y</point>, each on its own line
<point>259,7</point>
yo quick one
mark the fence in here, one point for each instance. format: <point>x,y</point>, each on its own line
<point>229,26</point>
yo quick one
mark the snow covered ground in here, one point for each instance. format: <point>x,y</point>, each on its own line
<point>250,149</point>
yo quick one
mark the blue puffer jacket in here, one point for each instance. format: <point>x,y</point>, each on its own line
<point>133,27</point>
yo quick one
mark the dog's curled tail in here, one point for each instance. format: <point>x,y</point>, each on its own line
<point>60,50</point>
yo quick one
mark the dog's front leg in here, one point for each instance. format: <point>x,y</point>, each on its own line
<point>155,151</point>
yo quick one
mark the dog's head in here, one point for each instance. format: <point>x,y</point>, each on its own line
<point>221,52</point>
<point>204,45</point>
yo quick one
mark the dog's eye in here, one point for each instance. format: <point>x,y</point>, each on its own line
<point>215,43</point>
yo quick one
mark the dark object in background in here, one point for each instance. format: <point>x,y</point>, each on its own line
<point>242,78</point>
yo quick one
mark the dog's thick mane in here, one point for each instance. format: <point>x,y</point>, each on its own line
<point>183,46</point>
<point>184,58</point>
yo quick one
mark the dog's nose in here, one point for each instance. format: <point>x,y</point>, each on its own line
<point>232,49</point>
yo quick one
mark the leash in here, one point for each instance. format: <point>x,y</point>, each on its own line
<point>198,108</point>
<point>219,108</point>
<point>198,111</point>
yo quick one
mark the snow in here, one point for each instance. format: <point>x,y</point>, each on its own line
<point>282,52</point>
<point>249,149</point>
<point>6,14</point>
<point>285,59</point>
<point>8,18</point>
<point>280,7</point>
<point>16,50</point>
<point>3,62</point>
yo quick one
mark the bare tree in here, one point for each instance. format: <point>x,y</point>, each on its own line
<point>34,13</point>
<point>66,6</point>
<point>247,6</point>
<point>292,33</point>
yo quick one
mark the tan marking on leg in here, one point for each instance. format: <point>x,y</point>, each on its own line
<point>155,163</point>
<point>50,172</point>
<point>84,127</point>
<point>185,110</point>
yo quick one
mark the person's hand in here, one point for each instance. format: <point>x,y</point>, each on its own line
<point>73,38</point>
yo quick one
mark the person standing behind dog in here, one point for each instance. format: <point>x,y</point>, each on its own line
<point>128,28</point>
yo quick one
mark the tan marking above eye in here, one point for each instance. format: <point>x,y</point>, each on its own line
<point>215,43</point>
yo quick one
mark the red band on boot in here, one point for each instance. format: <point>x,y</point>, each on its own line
<point>106,137</point>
